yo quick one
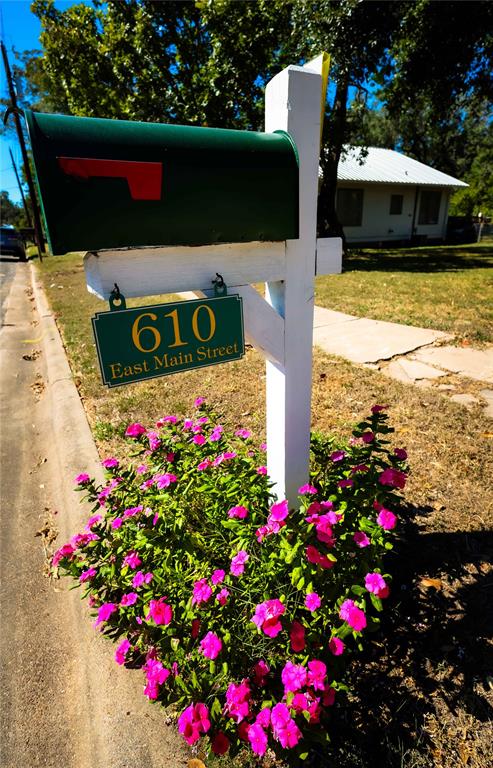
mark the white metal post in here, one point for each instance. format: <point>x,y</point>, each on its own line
<point>293,104</point>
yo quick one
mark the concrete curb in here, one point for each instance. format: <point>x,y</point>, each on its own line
<point>75,447</point>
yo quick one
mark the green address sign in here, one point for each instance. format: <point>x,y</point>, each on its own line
<point>145,342</point>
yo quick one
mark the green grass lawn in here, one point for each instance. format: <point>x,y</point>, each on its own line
<point>449,288</point>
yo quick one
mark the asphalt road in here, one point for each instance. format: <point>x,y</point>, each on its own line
<point>64,703</point>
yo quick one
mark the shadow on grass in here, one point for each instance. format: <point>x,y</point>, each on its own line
<point>430,658</point>
<point>433,259</point>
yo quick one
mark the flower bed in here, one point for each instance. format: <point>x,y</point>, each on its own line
<point>242,613</point>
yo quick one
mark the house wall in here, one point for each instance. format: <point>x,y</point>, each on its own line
<point>379,225</point>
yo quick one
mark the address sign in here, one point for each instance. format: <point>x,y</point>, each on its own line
<point>145,342</point>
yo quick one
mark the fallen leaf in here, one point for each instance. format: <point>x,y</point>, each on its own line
<point>487,434</point>
<point>435,583</point>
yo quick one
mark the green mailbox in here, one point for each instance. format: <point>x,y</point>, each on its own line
<point>114,184</point>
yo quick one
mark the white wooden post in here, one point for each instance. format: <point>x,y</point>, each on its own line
<point>293,105</point>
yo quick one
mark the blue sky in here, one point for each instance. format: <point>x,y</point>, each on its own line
<point>19,28</point>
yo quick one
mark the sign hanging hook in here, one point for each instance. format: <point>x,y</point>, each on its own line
<point>117,299</point>
<point>220,287</point>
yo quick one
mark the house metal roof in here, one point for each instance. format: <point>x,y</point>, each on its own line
<point>385,166</point>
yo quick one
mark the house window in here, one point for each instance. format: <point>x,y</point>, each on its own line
<point>396,204</point>
<point>429,206</point>
<point>350,207</point>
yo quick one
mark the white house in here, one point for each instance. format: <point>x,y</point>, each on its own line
<point>388,196</point>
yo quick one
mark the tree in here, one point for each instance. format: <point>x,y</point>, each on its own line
<point>10,212</point>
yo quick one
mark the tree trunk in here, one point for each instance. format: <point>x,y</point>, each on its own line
<point>328,223</point>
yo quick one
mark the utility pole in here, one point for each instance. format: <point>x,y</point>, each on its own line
<point>38,229</point>
<point>26,209</point>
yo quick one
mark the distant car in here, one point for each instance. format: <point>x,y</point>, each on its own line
<point>11,242</point>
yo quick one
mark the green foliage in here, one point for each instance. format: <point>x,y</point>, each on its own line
<point>10,212</point>
<point>193,512</point>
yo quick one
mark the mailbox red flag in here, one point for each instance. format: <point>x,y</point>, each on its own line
<point>144,178</point>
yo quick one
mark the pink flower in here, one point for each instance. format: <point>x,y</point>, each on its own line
<point>204,465</point>
<point>336,646</point>
<point>222,597</point>
<point>359,468</point>
<point>156,675</point>
<point>82,479</point>
<point>293,677</point>
<point>261,470</point>
<point>166,420</point>
<point>92,521</point>
<point>353,615</point>
<point>267,617</point>
<point>110,463</point>
<point>345,483</point>
<point>195,628</point>
<point>260,672</point>
<point>374,582</point>
<point>201,592</point>
<point>393,477</point>
<point>316,557</point>
<point>278,512</point>
<point>129,599</point>
<point>329,696</point>
<point>132,511</point>
<point>361,539</point>
<point>263,717</point>
<point>211,645</point>
<point>226,456</point>
<point>141,578</point>
<point>401,454</point>
<point>257,738</point>
<point>87,575</point>
<point>312,601</point>
<point>198,439</point>
<point>378,408</point>
<point>218,576</point>
<point>244,433</point>
<point>337,456</point>
<point>82,539</point>
<point>122,651</point>
<point>154,441</point>
<point>220,743</point>
<point>386,519</point>
<point>237,701</point>
<point>160,612</point>
<point>67,550</point>
<point>297,636</point>
<point>105,612</point>
<point>132,560</point>
<point>368,437</point>
<point>307,489</point>
<point>284,728</point>
<point>238,562</point>
<point>317,672</point>
<point>198,402</point>
<point>135,430</point>
<point>116,523</point>
<point>239,512</point>
<point>164,481</point>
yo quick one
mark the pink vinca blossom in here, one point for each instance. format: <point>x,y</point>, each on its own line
<point>222,596</point>
<point>267,617</point>
<point>284,728</point>
<point>374,582</point>
<point>82,479</point>
<point>257,738</point>
<point>87,575</point>
<point>336,646</point>
<point>211,645</point>
<point>401,454</point>
<point>238,562</point>
<point>243,433</point>
<point>67,550</point>
<point>353,615</point>
<point>312,601</point>
<point>240,512</point>
<point>135,430</point>
<point>316,557</point>
<point>237,701</point>
<point>132,560</point>
<point>261,470</point>
<point>122,651</point>
<point>317,672</point>
<point>368,437</point>
<point>337,456</point>
<point>260,672</point>
<point>164,481</point>
<point>129,599</point>
<point>361,539</point>
<point>92,521</point>
<point>132,511</point>
<point>141,578</point>
<point>160,612</point>
<point>393,477</point>
<point>218,576</point>
<point>156,675</point>
<point>105,612</point>
<point>293,676</point>
<point>297,636</point>
<point>220,743</point>
<point>386,519</point>
<point>110,463</point>
<point>201,592</point>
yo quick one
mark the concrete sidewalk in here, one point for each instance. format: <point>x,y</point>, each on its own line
<point>409,354</point>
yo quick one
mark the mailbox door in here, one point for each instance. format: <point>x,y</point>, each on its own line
<point>113,184</point>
